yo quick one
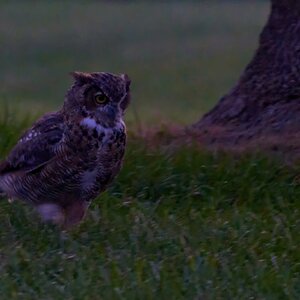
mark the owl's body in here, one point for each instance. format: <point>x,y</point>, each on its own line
<point>69,157</point>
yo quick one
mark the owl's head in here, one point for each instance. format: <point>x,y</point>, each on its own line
<point>103,97</point>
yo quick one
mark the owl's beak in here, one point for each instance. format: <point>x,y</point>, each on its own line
<point>111,112</point>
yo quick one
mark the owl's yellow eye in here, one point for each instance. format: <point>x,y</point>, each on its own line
<point>100,99</point>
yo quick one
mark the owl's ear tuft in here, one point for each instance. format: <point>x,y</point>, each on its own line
<point>126,100</point>
<point>81,77</point>
<point>127,80</point>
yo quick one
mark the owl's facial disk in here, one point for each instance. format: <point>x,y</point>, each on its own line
<point>100,107</point>
<point>100,96</point>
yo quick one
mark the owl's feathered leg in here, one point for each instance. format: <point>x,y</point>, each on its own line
<point>65,217</point>
<point>74,213</point>
<point>51,213</point>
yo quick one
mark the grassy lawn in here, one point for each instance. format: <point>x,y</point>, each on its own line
<point>177,223</point>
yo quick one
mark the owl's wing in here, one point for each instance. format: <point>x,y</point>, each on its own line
<point>36,146</point>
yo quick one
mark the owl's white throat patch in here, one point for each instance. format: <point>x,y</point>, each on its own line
<point>92,124</point>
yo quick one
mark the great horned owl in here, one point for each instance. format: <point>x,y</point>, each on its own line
<point>69,157</point>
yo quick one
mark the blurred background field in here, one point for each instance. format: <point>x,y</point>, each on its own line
<point>181,55</point>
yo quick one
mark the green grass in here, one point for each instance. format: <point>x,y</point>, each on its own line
<point>176,224</point>
<point>182,56</point>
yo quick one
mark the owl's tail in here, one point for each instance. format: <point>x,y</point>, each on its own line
<point>3,193</point>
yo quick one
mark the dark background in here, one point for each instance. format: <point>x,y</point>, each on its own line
<point>181,55</point>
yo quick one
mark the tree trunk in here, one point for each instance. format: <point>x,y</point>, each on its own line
<point>266,98</point>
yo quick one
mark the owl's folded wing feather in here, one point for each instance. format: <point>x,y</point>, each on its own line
<point>36,147</point>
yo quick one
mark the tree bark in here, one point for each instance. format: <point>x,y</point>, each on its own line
<point>267,96</point>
